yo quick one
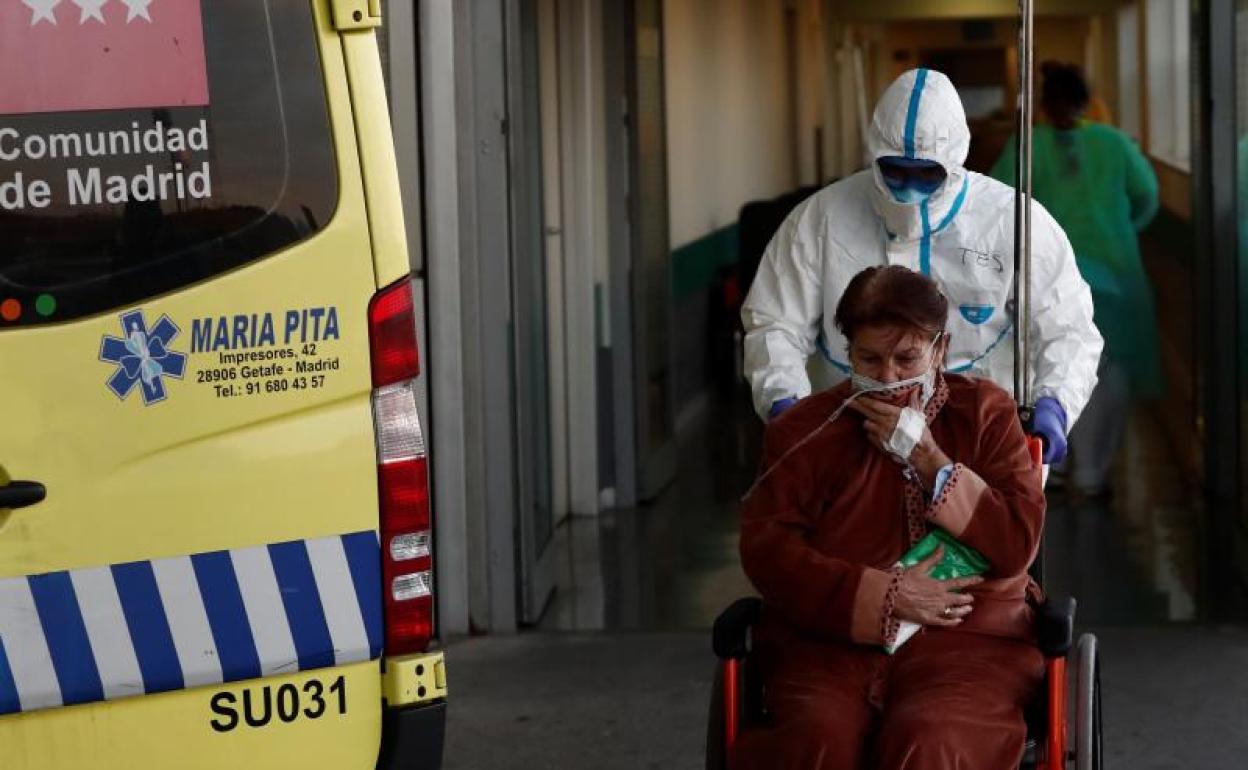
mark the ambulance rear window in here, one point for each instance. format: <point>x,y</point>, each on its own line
<point>146,145</point>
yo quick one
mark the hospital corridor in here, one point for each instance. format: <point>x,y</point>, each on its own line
<point>670,175</point>
<point>644,191</point>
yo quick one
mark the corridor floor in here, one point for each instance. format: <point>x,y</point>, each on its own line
<point>617,673</point>
<point>1175,698</point>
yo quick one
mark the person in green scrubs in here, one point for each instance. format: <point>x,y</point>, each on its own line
<point>1097,183</point>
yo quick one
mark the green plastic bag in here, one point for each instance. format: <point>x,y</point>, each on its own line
<point>958,561</point>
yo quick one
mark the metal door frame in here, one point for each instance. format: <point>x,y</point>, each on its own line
<point>1222,585</point>
<point>444,360</point>
<point>655,469</point>
<point>485,399</point>
<point>619,137</point>
<point>536,562</point>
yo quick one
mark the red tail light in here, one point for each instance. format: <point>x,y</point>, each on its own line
<point>392,333</point>
<point>402,473</point>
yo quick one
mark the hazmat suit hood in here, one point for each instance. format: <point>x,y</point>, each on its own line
<point>920,116</point>
<point>961,236</point>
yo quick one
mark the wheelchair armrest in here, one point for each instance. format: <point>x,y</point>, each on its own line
<point>730,634</point>
<point>1055,626</point>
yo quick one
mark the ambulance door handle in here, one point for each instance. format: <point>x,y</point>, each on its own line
<point>19,494</point>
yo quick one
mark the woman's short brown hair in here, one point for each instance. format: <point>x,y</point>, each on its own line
<point>891,296</point>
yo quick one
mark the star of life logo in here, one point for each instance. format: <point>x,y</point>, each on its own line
<point>77,55</point>
<point>143,357</point>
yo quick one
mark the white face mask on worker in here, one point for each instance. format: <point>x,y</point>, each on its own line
<point>909,195</point>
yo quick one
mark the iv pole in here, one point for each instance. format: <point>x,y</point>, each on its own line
<point>1022,213</point>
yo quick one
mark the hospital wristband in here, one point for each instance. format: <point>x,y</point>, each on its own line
<point>942,477</point>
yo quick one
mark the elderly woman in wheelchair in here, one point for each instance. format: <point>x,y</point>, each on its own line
<point>852,478</point>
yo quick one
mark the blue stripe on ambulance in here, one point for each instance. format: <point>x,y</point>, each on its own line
<point>152,626</point>
<point>227,616</point>
<point>149,626</point>
<point>364,561</point>
<point>303,605</point>
<point>8,688</point>
<point>66,633</point>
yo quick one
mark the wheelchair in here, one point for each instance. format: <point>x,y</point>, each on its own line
<point>1054,741</point>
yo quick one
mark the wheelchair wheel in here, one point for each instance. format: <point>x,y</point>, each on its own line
<point>716,753</point>
<point>1089,751</point>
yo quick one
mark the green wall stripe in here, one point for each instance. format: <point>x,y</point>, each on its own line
<point>695,263</point>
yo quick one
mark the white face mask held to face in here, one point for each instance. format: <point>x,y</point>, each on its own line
<point>863,385</point>
<point>926,378</point>
<point>832,418</point>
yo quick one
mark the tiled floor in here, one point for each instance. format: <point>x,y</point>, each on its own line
<point>673,564</point>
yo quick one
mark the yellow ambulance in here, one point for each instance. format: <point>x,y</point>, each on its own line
<point>216,548</point>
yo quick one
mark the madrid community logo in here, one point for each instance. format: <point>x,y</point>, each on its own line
<point>143,357</point>
<point>101,55</point>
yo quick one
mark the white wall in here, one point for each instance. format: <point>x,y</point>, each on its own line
<point>729,111</point>
<point>812,91</point>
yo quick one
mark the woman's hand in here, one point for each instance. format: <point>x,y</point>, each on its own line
<point>927,601</point>
<point>928,458</point>
<point>880,420</point>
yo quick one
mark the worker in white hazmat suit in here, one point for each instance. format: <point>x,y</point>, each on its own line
<point>918,206</point>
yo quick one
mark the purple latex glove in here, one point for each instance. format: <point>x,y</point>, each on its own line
<point>777,407</point>
<point>1049,423</point>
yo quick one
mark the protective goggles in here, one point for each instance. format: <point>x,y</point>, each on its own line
<point>925,176</point>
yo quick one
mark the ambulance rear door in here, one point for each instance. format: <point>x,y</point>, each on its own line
<point>189,566</point>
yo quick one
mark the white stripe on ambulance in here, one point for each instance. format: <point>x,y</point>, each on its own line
<point>342,608</point>
<point>188,622</point>
<point>258,584</point>
<point>106,628</point>
<point>26,648</point>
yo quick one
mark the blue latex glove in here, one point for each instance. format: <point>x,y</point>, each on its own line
<point>1049,423</point>
<point>778,407</point>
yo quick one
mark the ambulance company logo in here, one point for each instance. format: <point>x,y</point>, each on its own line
<point>143,357</point>
<point>73,55</point>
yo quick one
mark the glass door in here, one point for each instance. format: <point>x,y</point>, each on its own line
<point>529,352</point>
